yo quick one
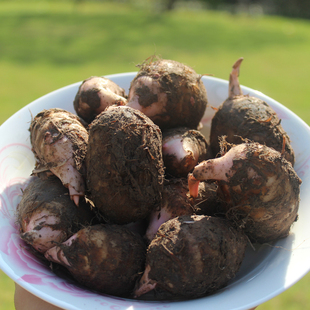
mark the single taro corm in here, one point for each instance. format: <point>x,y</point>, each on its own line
<point>260,187</point>
<point>59,143</point>
<point>47,216</point>
<point>192,256</point>
<point>124,162</point>
<point>242,117</point>
<point>104,258</point>
<point>170,93</point>
<point>95,94</point>
<point>183,149</point>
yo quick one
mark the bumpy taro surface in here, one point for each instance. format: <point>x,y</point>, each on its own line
<point>125,169</point>
<point>249,118</point>
<point>259,186</point>
<point>47,216</point>
<point>95,94</point>
<point>242,117</point>
<point>170,93</point>
<point>176,202</point>
<point>105,258</point>
<point>192,256</point>
<point>59,143</point>
<point>183,149</point>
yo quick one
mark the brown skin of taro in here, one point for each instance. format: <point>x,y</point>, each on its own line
<point>92,99</point>
<point>193,140</point>
<point>177,200</point>
<point>186,93</point>
<point>208,202</point>
<point>244,117</point>
<point>190,260</point>
<point>175,197</point>
<point>106,258</point>
<point>67,126</point>
<point>265,206</point>
<point>49,194</point>
<point>125,169</point>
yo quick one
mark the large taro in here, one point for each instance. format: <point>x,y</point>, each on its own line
<point>124,164</point>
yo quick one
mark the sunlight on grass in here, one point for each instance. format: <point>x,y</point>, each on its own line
<point>60,6</point>
<point>6,292</point>
<point>208,41</point>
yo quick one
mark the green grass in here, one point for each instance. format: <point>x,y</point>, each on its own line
<point>45,45</point>
<point>48,44</point>
<point>6,292</point>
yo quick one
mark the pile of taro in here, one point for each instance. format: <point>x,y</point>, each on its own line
<point>130,199</point>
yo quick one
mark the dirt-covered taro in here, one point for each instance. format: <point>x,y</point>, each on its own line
<point>178,202</point>
<point>59,143</point>
<point>192,256</point>
<point>47,216</point>
<point>260,187</point>
<point>208,202</point>
<point>105,258</point>
<point>183,149</point>
<point>125,168</point>
<point>170,93</point>
<point>175,202</point>
<point>95,94</point>
<point>242,117</point>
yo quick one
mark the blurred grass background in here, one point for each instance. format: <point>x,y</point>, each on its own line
<point>45,45</point>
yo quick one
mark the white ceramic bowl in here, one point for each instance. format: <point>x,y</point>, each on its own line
<point>266,271</point>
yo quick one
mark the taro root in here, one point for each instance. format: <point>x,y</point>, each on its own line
<point>192,256</point>
<point>47,216</point>
<point>260,187</point>
<point>59,143</point>
<point>208,202</point>
<point>125,169</point>
<point>183,149</point>
<point>105,258</point>
<point>242,117</point>
<point>175,202</point>
<point>169,93</point>
<point>95,94</point>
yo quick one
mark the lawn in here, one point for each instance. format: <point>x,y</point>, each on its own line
<point>45,45</point>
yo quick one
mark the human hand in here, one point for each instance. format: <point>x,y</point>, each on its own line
<point>24,300</point>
